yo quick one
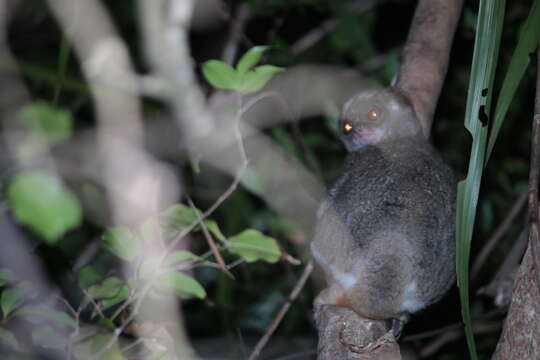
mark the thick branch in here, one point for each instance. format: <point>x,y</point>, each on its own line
<point>425,56</point>
<point>345,335</point>
<point>520,338</point>
<point>164,31</point>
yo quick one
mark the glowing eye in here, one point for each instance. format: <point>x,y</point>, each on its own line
<point>374,114</point>
<point>347,127</point>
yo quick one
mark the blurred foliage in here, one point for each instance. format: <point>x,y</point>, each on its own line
<point>236,309</point>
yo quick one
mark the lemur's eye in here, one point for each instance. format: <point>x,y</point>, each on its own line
<point>374,114</point>
<point>347,127</point>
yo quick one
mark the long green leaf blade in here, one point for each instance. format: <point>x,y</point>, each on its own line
<point>527,43</point>
<point>486,49</point>
<point>63,58</point>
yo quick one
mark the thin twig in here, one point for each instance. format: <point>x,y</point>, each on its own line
<point>235,263</point>
<point>266,94</point>
<point>210,241</point>
<point>307,156</point>
<point>450,336</point>
<point>281,314</point>
<point>498,234</point>
<point>500,286</point>
<point>75,333</point>
<point>315,35</point>
<point>378,61</point>
<point>170,248</point>
<point>132,345</point>
<point>237,28</point>
<point>431,333</point>
<point>92,301</point>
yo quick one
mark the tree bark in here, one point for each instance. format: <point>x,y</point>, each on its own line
<point>520,338</point>
<point>345,335</point>
<point>426,55</point>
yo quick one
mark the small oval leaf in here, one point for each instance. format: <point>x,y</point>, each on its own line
<point>9,301</point>
<point>253,81</point>
<point>6,276</point>
<point>250,59</point>
<point>88,276</point>
<point>184,286</point>
<point>121,242</point>
<point>221,75</point>
<point>46,120</point>
<point>180,216</point>
<point>180,256</point>
<point>42,202</point>
<point>253,245</point>
<point>108,289</point>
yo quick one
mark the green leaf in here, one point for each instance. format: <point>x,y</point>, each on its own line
<point>39,313</point>
<point>53,123</point>
<point>6,276</point>
<point>10,300</point>
<point>121,242</point>
<point>88,276</point>
<point>252,246</point>
<point>89,343</point>
<point>486,48</point>
<point>47,125</point>
<point>151,265</point>
<point>7,338</point>
<point>109,288</point>
<point>184,286</point>
<point>107,322</point>
<point>50,338</point>
<point>527,43</point>
<point>63,58</point>
<point>253,81</point>
<point>180,256</point>
<point>250,59</point>
<point>214,229</point>
<point>118,298</point>
<point>221,75</point>
<point>180,216</point>
<point>40,201</point>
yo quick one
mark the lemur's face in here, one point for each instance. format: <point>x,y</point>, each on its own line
<point>375,116</point>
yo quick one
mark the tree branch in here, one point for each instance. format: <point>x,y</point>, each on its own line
<point>520,338</point>
<point>425,56</point>
<point>283,311</point>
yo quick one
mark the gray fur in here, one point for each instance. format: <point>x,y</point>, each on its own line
<point>388,223</point>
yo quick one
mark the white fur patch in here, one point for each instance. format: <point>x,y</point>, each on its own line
<point>322,208</point>
<point>346,280</point>
<point>316,254</point>
<point>410,302</point>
